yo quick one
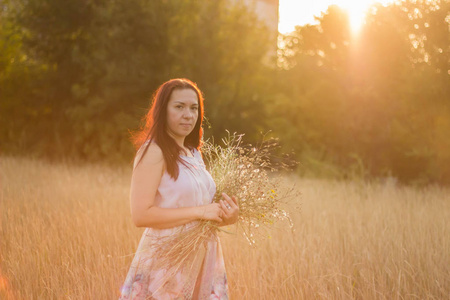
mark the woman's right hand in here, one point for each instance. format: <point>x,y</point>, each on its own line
<point>212,212</point>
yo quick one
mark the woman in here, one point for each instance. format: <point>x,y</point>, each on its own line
<point>171,189</point>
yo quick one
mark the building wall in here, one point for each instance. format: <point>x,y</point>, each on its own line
<point>267,10</point>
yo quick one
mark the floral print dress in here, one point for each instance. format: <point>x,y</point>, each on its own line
<point>145,280</point>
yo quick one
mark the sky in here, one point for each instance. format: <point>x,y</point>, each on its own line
<point>301,12</point>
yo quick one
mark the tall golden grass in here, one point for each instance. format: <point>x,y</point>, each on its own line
<point>66,233</point>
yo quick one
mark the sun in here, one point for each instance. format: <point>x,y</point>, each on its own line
<point>357,11</point>
<point>356,14</point>
<point>297,12</point>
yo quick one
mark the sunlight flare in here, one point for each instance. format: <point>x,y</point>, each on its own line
<point>295,12</point>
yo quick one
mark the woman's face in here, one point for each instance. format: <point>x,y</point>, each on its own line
<point>182,113</point>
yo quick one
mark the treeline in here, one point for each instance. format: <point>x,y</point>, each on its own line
<point>376,103</point>
<point>77,75</point>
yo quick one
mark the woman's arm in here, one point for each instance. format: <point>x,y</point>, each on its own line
<point>144,185</point>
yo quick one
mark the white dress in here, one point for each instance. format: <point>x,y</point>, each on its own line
<point>193,187</point>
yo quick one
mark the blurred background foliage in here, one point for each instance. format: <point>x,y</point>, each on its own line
<point>77,76</point>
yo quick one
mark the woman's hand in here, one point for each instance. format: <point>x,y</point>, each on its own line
<point>212,212</point>
<point>230,208</point>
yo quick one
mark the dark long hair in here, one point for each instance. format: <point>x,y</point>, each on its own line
<point>155,127</point>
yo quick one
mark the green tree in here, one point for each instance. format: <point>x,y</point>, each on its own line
<point>97,63</point>
<point>374,100</point>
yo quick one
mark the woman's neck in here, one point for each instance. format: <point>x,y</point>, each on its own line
<point>178,140</point>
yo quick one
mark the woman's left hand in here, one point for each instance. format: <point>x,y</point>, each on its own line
<point>230,208</point>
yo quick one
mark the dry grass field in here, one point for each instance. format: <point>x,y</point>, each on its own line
<point>66,233</point>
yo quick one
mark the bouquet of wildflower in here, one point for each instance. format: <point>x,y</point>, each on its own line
<point>244,172</point>
<point>237,170</point>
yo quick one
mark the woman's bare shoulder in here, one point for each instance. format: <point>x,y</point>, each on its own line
<point>152,156</point>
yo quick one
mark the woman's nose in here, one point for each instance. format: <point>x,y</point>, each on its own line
<point>187,114</point>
